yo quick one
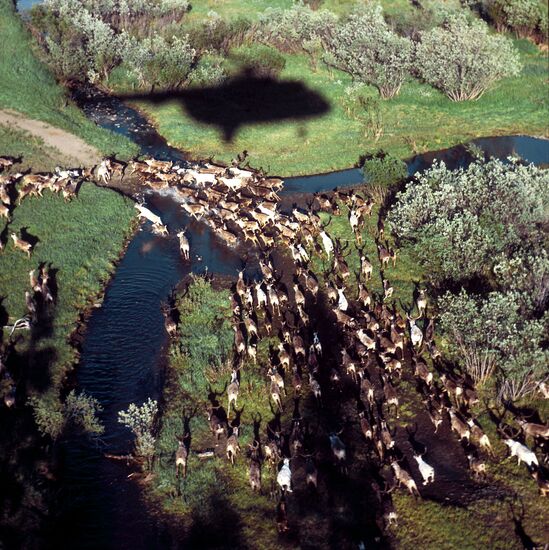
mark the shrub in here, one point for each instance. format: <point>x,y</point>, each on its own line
<point>218,35</point>
<point>52,416</point>
<point>463,60</point>
<point>525,17</point>
<point>160,62</point>
<point>365,47</point>
<point>209,71</point>
<point>491,335</point>
<point>262,61</point>
<point>140,420</point>
<point>459,222</point>
<point>289,29</point>
<point>381,173</point>
<point>81,410</point>
<point>135,16</point>
<point>79,44</point>
<point>384,169</point>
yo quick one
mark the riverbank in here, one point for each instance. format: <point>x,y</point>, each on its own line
<point>80,242</point>
<point>28,87</point>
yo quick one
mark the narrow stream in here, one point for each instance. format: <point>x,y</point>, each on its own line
<point>97,506</point>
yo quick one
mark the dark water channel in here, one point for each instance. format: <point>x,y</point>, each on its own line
<point>97,507</point>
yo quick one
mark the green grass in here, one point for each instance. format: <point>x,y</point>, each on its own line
<point>418,120</point>
<point>28,86</point>
<point>81,239</point>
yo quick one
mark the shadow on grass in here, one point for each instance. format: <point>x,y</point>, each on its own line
<point>215,525</point>
<point>243,100</point>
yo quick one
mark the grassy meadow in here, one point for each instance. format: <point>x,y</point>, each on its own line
<point>80,240</point>
<point>27,86</point>
<point>419,119</point>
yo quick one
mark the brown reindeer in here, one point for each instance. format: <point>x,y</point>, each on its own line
<point>21,244</point>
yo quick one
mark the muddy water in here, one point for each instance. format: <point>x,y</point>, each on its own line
<point>97,506</point>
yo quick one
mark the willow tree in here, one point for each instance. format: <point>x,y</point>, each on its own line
<point>463,59</point>
<point>365,47</point>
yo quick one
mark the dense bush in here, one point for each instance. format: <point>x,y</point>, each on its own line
<point>524,17</point>
<point>209,71</point>
<point>381,173</point>
<point>86,40</point>
<point>160,62</point>
<point>139,17</point>
<point>80,45</point>
<point>384,169</point>
<point>262,61</point>
<point>289,29</point>
<point>365,47</point>
<point>79,410</point>
<point>217,34</point>
<point>460,221</point>
<point>492,335</point>
<point>486,221</point>
<point>463,60</point>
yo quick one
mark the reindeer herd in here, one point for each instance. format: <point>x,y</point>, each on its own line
<point>340,346</point>
<point>338,341</point>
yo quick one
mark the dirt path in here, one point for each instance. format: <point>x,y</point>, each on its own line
<point>74,149</point>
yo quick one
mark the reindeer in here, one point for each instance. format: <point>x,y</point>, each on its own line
<point>458,425</point>
<point>477,466</point>
<point>391,396</point>
<point>404,478</point>
<point>277,378</point>
<point>365,426</point>
<point>232,444</point>
<point>416,335</point>
<point>339,450</point>
<point>536,431</point>
<point>421,302</point>
<point>384,256</point>
<point>275,394</point>
<point>523,453</point>
<point>282,515</point>
<point>284,477</point>
<point>478,435</point>
<point>427,472</point>
<point>182,454</point>
<point>366,268</point>
<point>184,246</point>
<point>254,469</point>
<point>315,388</point>
<point>232,390</point>
<point>21,244</point>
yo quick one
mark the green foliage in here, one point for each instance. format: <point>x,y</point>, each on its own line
<point>217,34</point>
<point>29,87</point>
<point>524,17</point>
<point>160,62</point>
<point>262,61</point>
<point>295,28</point>
<point>206,336</point>
<point>384,169</point>
<point>460,221</point>
<point>485,221</point>
<point>493,334</point>
<point>463,60</point>
<point>81,409</point>
<point>366,48</point>
<point>140,420</point>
